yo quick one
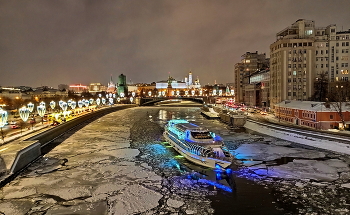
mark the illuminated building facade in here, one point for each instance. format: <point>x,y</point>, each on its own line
<point>122,86</point>
<point>78,88</point>
<point>302,54</point>
<point>251,62</point>
<point>111,86</point>
<point>97,88</point>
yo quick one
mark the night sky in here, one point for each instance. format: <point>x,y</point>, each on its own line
<point>65,42</point>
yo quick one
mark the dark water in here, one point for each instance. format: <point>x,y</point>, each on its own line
<point>248,197</point>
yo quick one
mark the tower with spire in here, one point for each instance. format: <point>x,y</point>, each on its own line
<point>111,86</point>
<point>190,78</point>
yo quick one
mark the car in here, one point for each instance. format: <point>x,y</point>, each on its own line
<point>263,113</point>
<point>14,126</point>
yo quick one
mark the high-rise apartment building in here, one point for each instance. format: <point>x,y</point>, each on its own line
<point>302,53</point>
<point>250,63</point>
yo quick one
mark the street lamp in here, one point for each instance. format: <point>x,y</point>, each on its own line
<point>24,114</point>
<point>73,105</point>
<point>41,111</point>
<point>3,120</point>
<point>64,107</point>
<point>110,101</point>
<point>30,107</point>
<point>52,105</point>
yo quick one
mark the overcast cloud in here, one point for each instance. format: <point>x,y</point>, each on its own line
<point>53,42</point>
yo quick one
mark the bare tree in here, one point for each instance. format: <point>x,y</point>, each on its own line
<point>321,88</point>
<point>338,97</point>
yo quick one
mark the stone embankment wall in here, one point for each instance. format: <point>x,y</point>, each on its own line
<point>29,154</point>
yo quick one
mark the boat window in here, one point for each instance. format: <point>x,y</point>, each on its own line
<point>201,135</point>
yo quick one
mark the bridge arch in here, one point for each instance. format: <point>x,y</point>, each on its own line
<point>152,101</point>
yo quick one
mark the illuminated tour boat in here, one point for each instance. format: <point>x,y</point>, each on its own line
<point>196,144</point>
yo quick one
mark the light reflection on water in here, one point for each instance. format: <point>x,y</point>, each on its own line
<point>245,196</point>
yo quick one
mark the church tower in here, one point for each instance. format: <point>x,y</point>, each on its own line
<point>190,79</point>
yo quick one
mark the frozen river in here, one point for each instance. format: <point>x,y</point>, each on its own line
<point>118,164</point>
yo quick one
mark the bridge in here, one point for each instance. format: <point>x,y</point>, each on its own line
<point>148,101</point>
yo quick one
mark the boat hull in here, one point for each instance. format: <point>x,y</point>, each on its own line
<point>197,159</point>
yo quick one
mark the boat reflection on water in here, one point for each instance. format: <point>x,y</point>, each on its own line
<point>219,179</point>
<point>203,148</point>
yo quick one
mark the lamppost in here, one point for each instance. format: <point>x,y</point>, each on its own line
<point>52,105</point>
<point>41,111</point>
<point>103,101</point>
<point>64,107</point>
<point>3,120</point>
<point>110,101</point>
<point>24,114</point>
<point>80,105</point>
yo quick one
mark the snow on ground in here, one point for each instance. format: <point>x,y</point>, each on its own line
<point>303,169</point>
<point>301,139</point>
<point>95,171</point>
<point>264,152</point>
<point>101,165</point>
<point>267,159</point>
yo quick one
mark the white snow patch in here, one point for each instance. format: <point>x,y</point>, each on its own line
<point>302,169</point>
<point>346,185</point>
<point>9,194</point>
<point>174,203</point>
<point>10,208</point>
<point>134,199</point>
<point>301,139</point>
<point>264,152</point>
<point>121,153</point>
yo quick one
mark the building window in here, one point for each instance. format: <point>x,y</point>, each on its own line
<point>308,32</point>
<point>331,116</point>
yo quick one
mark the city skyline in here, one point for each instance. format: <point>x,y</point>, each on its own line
<point>51,43</point>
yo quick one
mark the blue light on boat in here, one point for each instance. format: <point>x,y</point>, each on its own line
<point>218,176</point>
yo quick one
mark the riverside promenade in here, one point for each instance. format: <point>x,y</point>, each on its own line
<point>24,147</point>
